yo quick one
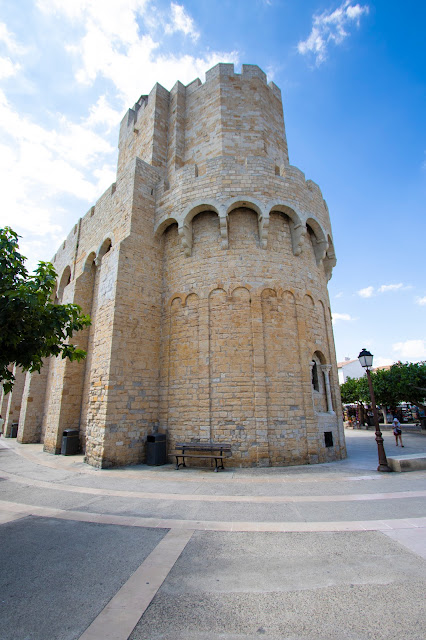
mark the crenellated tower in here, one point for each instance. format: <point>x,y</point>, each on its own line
<point>205,269</point>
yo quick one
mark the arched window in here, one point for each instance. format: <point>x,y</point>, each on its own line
<point>315,382</point>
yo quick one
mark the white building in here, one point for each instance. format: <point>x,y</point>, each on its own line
<point>349,369</point>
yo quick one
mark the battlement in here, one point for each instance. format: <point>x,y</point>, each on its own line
<point>169,129</point>
<point>220,71</point>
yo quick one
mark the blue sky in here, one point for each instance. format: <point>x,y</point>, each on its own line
<point>353,81</point>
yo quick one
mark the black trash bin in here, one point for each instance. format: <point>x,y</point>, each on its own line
<point>156,449</point>
<point>70,442</point>
<point>14,430</point>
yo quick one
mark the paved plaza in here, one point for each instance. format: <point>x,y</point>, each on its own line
<point>325,552</point>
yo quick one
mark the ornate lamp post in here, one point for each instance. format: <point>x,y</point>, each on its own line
<point>366,360</point>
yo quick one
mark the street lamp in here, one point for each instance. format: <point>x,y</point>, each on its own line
<point>366,360</point>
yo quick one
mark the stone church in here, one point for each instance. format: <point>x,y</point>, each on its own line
<point>204,268</point>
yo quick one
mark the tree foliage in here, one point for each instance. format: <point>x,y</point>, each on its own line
<point>401,383</point>
<point>31,326</point>
<point>409,381</point>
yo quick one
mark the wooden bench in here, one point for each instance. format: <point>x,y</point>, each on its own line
<point>210,450</point>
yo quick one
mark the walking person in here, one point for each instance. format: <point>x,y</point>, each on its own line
<point>397,432</point>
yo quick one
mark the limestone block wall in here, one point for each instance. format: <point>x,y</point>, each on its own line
<point>204,268</point>
<point>230,114</point>
<point>13,401</point>
<point>31,415</point>
<point>240,330</point>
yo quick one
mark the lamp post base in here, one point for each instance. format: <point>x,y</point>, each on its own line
<point>383,467</point>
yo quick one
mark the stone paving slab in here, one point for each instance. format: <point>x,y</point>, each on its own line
<point>287,586</point>
<point>57,575</point>
<point>311,511</point>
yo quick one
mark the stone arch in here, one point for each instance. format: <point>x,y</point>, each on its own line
<point>185,223</point>
<point>206,236</point>
<point>268,292</point>
<point>176,296</point>
<point>308,299</point>
<point>320,356</point>
<point>163,226</point>
<point>330,258</point>
<point>241,293</point>
<point>288,294</point>
<point>319,239</point>
<point>90,261</point>
<point>321,394</point>
<point>104,248</point>
<point>63,282</point>
<point>191,299</point>
<point>297,228</point>
<point>258,208</point>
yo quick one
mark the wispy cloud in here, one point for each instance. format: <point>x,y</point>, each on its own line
<point>390,287</point>
<point>331,27</point>
<point>367,292</point>
<point>413,350</point>
<point>121,43</point>
<point>421,301</point>
<point>54,168</point>
<point>338,317</point>
<point>181,21</point>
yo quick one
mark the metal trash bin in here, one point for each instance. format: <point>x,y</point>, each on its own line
<point>14,430</point>
<point>156,449</point>
<point>70,442</point>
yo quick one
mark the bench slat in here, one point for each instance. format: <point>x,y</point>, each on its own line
<point>196,455</point>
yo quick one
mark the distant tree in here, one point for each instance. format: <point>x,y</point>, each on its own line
<point>409,381</point>
<point>31,326</point>
<point>349,391</point>
<point>355,391</point>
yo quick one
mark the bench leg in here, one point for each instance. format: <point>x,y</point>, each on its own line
<point>218,466</point>
<point>180,464</point>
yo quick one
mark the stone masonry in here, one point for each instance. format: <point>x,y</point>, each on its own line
<point>204,268</point>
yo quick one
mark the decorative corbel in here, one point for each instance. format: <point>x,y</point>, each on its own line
<point>263,231</point>
<point>329,264</point>
<point>321,250</point>
<point>185,234</point>
<point>223,228</point>
<point>297,235</point>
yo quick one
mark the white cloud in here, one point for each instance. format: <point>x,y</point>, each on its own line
<point>368,292</point>
<point>341,317</point>
<point>121,42</point>
<point>55,166</point>
<point>8,68</point>
<point>39,165</point>
<point>390,287</point>
<point>102,113</point>
<point>413,350</point>
<point>181,21</point>
<point>331,28</point>
<point>421,301</point>
<point>9,40</point>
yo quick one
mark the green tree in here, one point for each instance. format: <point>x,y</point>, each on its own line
<point>409,381</point>
<point>349,391</point>
<point>31,326</point>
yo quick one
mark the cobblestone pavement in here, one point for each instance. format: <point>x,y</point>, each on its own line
<point>334,551</point>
